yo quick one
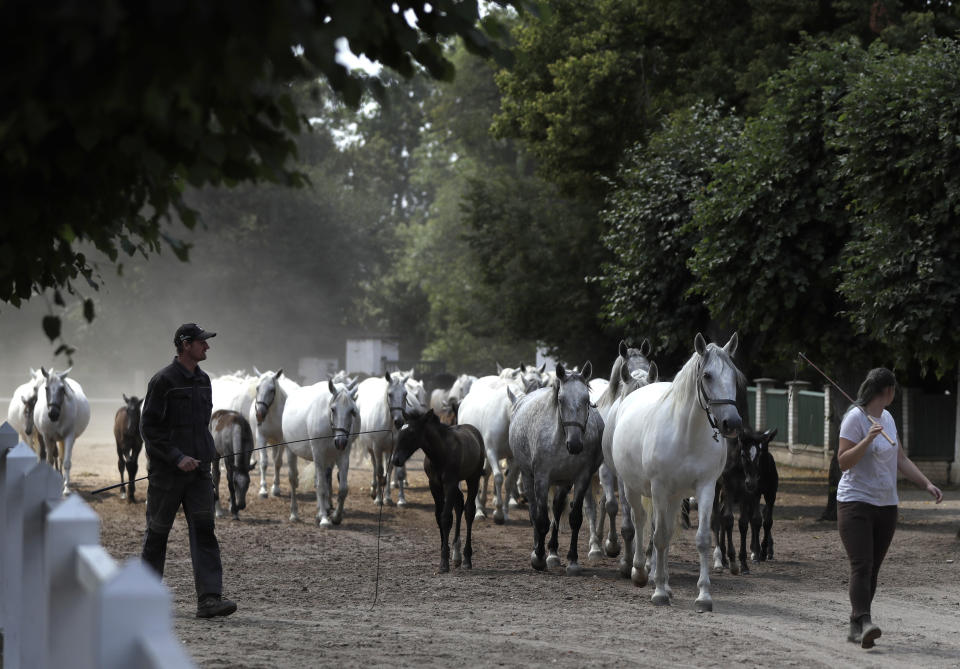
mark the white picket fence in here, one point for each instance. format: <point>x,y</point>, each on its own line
<point>64,602</point>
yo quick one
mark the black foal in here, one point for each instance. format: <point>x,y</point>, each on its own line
<point>452,454</point>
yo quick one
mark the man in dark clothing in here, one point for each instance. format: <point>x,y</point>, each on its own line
<point>175,426</point>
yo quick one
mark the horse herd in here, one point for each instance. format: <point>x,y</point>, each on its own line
<point>647,443</point>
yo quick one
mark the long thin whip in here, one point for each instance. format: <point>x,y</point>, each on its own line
<point>220,457</point>
<point>849,399</point>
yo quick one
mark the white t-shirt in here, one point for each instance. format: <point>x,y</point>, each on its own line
<point>874,478</point>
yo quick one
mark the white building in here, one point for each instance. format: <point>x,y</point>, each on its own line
<point>368,354</point>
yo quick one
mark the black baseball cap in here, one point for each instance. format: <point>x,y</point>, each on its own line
<point>189,331</point>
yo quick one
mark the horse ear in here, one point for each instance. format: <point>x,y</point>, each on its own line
<point>645,347</point>
<point>126,400</point>
<point>353,393</point>
<point>625,375</point>
<point>64,373</point>
<point>353,383</point>
<point>331,387</point>
<point>587,371</point>
<point>46,374</point>
<point>542,368</point>
<point>769,435</point>
<point>279,373</point>
<point>731,346</point>
<point>700,344</point>
<point>561,372</point>
<point>411,372</point>
<point>511,396</point>
<point>499,368</point>
<point>256,371</point>
<point>653,374</point>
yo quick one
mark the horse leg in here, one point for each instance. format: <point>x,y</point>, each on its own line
<point>232,489</point>
<point>387,456</point>
<point>593,533</point>
<point>470,510</point>
<point>607,479</point>
<point>41,444</point>
<point>322,486</point>
<point>755,522</point>
<point>510,486</point>
<point>277,466</point>
<point>400,478</point>
<point>559,501</point>
<point>730,556</point>
<point>664,519</point>
<point>343,487</point>
<point>539,518</point>
<point>373,464</point>
<point>122,466</point>
<point>67,455</point>
<point>458,513</point>
<point>628,531</point>
<point>744,521</point>
<point>445,519</point>
<point>498,511</point>
<point>215,475</point>
<point>481,501</point>
<point>132,467</point>
<point>294,477</point>
<point>705,494</point>
<point>580,490</point>
<point>766,549</point>
<point>260,444</point>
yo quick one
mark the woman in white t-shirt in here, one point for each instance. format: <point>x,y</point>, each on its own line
<point>870,455</point>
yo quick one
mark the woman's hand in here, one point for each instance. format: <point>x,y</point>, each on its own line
<point>875,429</point>
<point>935,492</point>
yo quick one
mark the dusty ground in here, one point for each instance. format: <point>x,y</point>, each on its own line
<point>307,596</point>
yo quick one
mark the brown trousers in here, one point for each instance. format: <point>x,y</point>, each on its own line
<point>866,532</point>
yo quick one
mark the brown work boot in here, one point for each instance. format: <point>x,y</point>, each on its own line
<point>212,604</point>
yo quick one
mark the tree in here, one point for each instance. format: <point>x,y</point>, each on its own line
<point>114,109</point>
<point>897,131</point>
<point>647,285</point>
<point>773,220</point>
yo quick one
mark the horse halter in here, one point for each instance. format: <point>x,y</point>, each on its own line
<point>706,403</point>
<point>568,423</point>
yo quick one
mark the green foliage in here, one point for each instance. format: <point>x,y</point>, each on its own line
<point>646,285</point>
<point>115,109</point>
<point>899,132</point>
<point>773,221</point>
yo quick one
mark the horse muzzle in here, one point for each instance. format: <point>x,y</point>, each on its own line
<point>54,413</point>
<point>340,441</point>
<point>575,446</point>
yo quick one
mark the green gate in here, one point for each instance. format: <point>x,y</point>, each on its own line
<point>776,400</point>
<point>933,421</point>
<point>810,417</point>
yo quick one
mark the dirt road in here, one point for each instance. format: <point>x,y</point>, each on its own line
<point>306,595</point>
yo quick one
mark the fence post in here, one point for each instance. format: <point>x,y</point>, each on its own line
<point>955,465</point>
<point>72,613</point>
<point>13,469</point>
<point>827,409</point>
<point>8,440</point>
<point>761,401</point>
<point>793,410</point>
<point>41,486</point>
<point>905,419</point>
<point>137,623</point>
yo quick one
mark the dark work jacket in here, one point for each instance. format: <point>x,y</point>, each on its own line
<point>175,420</point>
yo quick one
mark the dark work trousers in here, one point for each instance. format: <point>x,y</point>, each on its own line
<point>166,492</point>
<point>866,532</point>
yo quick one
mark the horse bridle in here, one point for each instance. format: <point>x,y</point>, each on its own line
<point>706,403</point>
<point>568,423</point>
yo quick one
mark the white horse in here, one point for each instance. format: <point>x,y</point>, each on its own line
<point>233,392</point>
<point>265,414</point>
<point>61,415</point>
<point>488,408</point>
<point>382,401</point>
<point>667,442</point>
<point>322,420</point>
<point>20,413</point>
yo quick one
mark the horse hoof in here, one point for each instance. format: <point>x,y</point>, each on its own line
<point>574,569</point>
<point>513,504</point>
<point>325,522</point>
<point>479,515</point>
<point>595,554</point>
<point>457,562</point>
<point>263,493</point>
<point>274,491</point>
<point>734,569</point>
<point>444,568</point>
<point>611,548</point>
<point>498,517</point>
<point>625,569</point>
<point>336,519</point>
<point>553,560</point>
<point>639,577</point>
<point>744,569</point>
<point>123,495</point>
<point>294,518</point>
<point>537,562</point>
<point>235,516</point>
<point>467,564</point>
<point>660,599</point>
<point>390,501</point>
<point>218,513</point>
<point>401,502</point>
<point>704,605</point>
<point>131,500</point>
<point>754,557</point>
<point>377,501</point>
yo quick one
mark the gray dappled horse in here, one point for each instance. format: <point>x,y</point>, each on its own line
<point>233,439</point>
<point>555,439</point>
